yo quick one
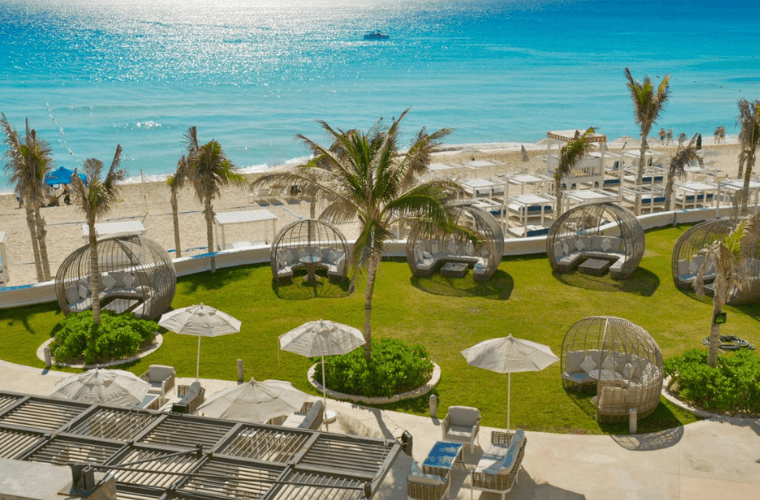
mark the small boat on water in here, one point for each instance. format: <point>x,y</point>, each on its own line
<point>376,35</point>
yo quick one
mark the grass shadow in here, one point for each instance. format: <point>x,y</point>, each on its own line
<point>300,289</point>
<point>660,421</point>
<point>22,315</point>
<point>749,310</point>
<point>214,281</point>
<point>499,287</point>
<point>641,282</point>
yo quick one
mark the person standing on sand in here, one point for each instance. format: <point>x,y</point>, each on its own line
<point>670,136</point>
<point>66,194</point>
<point>662,135</point>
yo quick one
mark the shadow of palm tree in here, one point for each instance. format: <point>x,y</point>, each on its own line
<point>499,287</point>
<point>652,441</point>
<point>300,289</point>
<point>641,282</point>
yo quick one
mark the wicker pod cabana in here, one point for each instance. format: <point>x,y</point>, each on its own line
<point>621,358</point>
<point>600,231</point>
<point>688,257</point>
<point>312,239</point>
<point>136,275</point>
<point>425,255</point>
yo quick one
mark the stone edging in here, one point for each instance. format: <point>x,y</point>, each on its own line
<point>693,410</point>
<point>158,339</point>
<point>420,391</point>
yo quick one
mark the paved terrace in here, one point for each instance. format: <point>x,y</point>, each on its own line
<point>715,458</point>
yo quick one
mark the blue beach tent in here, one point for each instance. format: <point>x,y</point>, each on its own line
<point>62,176</point>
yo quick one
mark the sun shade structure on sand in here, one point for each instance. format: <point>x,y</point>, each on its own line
<point>186,456</point>
<point>601,231</point>
<point>687,258</point>
<point>136,275</point>
<point>313,242</point>
<point>621,358</point>
<point>424,255</point>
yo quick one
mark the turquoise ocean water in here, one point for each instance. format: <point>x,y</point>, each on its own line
<point>252,74</point>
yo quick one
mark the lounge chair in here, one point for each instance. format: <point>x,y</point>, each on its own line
<point>497,469</point>
<point>461,425</point>
<point>310,417</point>
<point>192,397</point>
<point>420,486</point>
<point>160,378</point>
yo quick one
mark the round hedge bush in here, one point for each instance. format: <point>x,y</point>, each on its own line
<point>395,368</point>
<point>118,336</point>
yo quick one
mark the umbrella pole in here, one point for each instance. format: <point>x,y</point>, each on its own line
<point>198,361</point>
<point>324,389</point>
<point>509,396</point>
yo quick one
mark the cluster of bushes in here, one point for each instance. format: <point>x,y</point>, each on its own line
<point>733,386</point>
<point>394,368</point>
<point>77,337</point>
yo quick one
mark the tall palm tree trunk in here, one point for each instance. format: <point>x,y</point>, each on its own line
<point>747,178</point>
<point>558,193</point>
<point>175,219</point>
<point>712,357</point>
<point>94,273</point>
<point>208,211</point>
<point>41,234</point>
<point>35,241</point>
<point>640,175</point>
<point>374,264</point>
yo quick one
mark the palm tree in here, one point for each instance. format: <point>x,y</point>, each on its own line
<point>570,154</point>
<point>363,176</point>
<point>730,257</point>
<point>96,199</point>
<point>28,163</point>
<point>177,182</point>
<point>678,163</point>
<point>749,140</point>
<point>648,103</point>
<point>209,169</point>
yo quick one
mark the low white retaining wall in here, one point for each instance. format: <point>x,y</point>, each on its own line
<point>15,296</point>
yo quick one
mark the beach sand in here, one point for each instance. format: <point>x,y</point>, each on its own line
<point>150,203</point>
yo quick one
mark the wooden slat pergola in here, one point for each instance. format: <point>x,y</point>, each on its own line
<point>159,455</point>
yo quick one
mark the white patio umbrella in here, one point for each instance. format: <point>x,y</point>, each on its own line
<point>322,338</point>
<point>116,387</point>
<point>202,321</point>
<point>255,401</point>
<point>510,355</point>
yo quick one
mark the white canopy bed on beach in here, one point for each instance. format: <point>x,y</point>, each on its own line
<point>114,229</point>
<point>223,219</point>
<point>589,170</point>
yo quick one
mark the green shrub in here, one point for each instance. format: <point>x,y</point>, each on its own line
<point>394,368</point>
<point>118,336</point>
<point>733,386</point>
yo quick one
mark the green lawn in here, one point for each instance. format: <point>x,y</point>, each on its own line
<point>446,315</point>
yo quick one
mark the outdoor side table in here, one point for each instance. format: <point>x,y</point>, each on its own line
<point>310,262</point>
<point>442,458</point>
<point>454,269</point>
<point>595,267</point>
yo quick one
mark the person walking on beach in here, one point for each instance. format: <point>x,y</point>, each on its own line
<point>670,136</point>
<point>662,135</point>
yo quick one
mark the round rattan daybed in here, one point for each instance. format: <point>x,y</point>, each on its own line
<point>310,239</point>
<point>688,257</point>
<point>424,255</point>
<point>136,275</point>
<point>621,359</point>
<point>600,231</point>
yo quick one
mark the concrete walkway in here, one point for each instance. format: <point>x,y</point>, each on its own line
<point>709,459</point>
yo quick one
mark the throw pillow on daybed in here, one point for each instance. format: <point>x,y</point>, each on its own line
<point>588,364</point>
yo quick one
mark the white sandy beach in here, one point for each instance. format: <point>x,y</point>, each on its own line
<point>149,202</point>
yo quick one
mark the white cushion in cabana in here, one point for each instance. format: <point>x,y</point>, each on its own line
<point>558,251</point>
<point>109,282</point>
<point>72,294</point>
<point>128,280</point>
<point>588,364</point>
<point>605,245</point>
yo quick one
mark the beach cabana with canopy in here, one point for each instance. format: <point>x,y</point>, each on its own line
<point>589,170</point>
<point>310,244</point>
<point>223,219</point>
<point>114,229</point>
